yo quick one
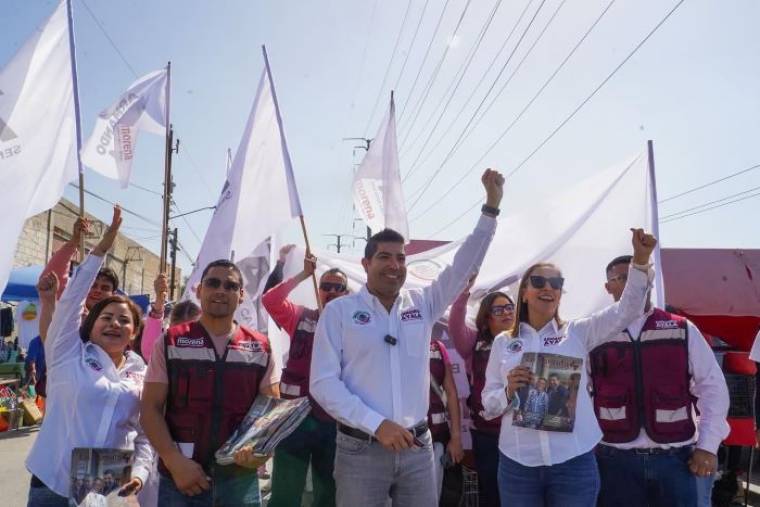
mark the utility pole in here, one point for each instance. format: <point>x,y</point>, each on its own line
<point>364,146</point>
<point>171,147</point>
<point>174,248</point>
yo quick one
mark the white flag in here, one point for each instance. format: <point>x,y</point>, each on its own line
<point>259,197</point>
<point>37,130</point>
<point>377,182</point>
<point>111,146</point>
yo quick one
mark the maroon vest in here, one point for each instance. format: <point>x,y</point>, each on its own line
<point>210,395</point>
<point>439,428</point>
<point>295,376</point>
<point>477,383</point>
<point>644,383</point>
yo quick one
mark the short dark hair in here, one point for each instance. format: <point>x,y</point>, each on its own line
<point>621,259</point>
<point>183,310</point>
<point>110,275</point>
<point>222,263</point>
<point>553,375</point>
<point>384,236</point>
<point>96,310</point>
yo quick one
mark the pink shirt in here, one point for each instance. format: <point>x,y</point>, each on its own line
<point>464,336</point>
<point>284,313</point>
<point>59,264</point>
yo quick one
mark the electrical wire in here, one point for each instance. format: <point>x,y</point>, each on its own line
<point>700,187</point>
<point>756,194</point>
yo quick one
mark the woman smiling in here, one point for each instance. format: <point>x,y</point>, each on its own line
<point>551,462</point>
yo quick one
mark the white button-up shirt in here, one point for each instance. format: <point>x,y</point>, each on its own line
<point>707,384</point>
<point>90,402</point>
<point>532,447</point>
<point>359,378</point>
<point>754,352</point>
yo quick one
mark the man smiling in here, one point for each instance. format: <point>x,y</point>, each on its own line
<point>370,367</point>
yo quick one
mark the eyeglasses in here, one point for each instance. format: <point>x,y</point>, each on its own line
<point>215,283</point>
<point>539,282</point>
<point>499,310</point>
<point>332,287</point>
<point>622,277</point>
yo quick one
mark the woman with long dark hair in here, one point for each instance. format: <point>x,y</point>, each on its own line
<point>94,383</point>
<point>551,462</point>
<point>495,315</point>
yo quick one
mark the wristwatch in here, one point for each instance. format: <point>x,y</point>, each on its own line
<point>490,210</point>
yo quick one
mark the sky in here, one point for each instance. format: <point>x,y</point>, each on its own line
<point>693,88</point>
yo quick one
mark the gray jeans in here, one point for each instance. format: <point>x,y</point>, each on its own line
<point>367,474</point>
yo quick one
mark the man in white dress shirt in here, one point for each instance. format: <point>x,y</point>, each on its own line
<point>370,369</point>
<point>647,382</point>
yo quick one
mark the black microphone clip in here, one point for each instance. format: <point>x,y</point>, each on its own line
<point>390,339</point>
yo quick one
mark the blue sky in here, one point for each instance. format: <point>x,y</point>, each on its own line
<point>694,88</point>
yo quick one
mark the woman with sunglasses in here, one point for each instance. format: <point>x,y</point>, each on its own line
<point>495,315</point>
<point>554,465</point>
<point>94,385</point>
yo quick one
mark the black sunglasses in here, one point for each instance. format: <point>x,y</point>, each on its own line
<point>215,283</point>
<point>539,282</point>
<point>499,310</point>
<point>332,287</point>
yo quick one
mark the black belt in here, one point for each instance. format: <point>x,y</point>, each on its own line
<point>417,431</point>
<point>650,451</point>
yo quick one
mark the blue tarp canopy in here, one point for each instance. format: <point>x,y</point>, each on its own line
<point>22,284</point>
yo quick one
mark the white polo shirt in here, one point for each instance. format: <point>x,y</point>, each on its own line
<point>359,378</point>
<point>90,402</point>
<point>531,447</point>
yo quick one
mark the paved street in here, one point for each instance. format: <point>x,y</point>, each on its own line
<point>14,479</point>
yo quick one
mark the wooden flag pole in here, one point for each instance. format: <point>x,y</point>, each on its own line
<point>308,252</point>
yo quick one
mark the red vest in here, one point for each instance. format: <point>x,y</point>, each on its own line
<point>644,383</point>
<point>209,395</point>
<point>295,376</point>
<point>477,383</point>
<point>439,428</point>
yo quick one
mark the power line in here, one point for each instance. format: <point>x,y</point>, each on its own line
<point>388,68</point>
<point>756,194</point>
<point>125,210</point>
<point>710,183</point>
<point>411,44</point>
<point>563,122</point>
<point>427,185</point>
<point>110,40</point>
<point>458,77</point>
<point>424,60</point>
<point>364,52</point>
<point>434,75</point>
<point>710,203</point>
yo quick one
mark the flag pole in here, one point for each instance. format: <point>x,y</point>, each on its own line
<point>167,174</point>
<point>289,171</point>
<point>77,117</point>
<point>659,282</point>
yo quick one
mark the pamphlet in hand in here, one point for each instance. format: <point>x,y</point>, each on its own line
<point>267,423</point>
<point>97,475</point>
<point>548,403</point>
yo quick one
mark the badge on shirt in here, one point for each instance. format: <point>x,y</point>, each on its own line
<point>553,340</point>
<point>666,324</point>
<point>515,346</point>
<point>93,363</point>
<point>361,317</point>
<point>247,346</point>
<point>413,314</point>
<point>186,341</point>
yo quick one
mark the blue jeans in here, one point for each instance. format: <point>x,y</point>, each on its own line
<point>42,496</point>
<point>574,483</point>
<point>367,474</point>
<point>228,489</point>
<point>704,490</point>
<point>485,447</point>
<point>312,442</point>
<point>633,479</point>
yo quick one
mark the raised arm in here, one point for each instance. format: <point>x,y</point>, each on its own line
<point>61,260</point>
<point>604,324</point>
<point>63,334</point>
<point>464,336</point>
<point>468,258</point>
<point>275,300</point>
<point>154,322</point>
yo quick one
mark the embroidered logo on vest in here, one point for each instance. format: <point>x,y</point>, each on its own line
<point>247,346</point>
<point>361,317</point>
<point>186,341</point>
<point>666,324</point>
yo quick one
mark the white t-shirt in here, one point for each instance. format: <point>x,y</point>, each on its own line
<point>754,352</point>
